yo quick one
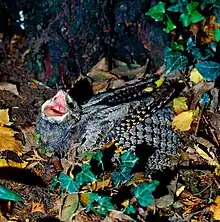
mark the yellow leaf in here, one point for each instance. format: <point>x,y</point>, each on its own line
<point>125,203</point>
<point>180,190</point>
<point>183,121</point>
<point>195,76</point>
<point>159,82</point>
<point>4,163</point>
<point>215,208</point>
<point>26,52</point>
<point>84,198</point>
<point>211,160</point>
<point>4,117</point>
<point>179,104</point>
<point>148,89</point>
<point>8,141</point>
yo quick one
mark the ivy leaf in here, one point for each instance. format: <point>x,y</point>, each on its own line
<point>157,11</point>
<point>209,70</point>
<point>205,100</point>
<point>98,156</point>
<point>130,209</point>
<point>170,26</point>
<point>129,159</point>
<point>178,7</point>
<point>99,204</point>
<point>217,35</point>
<point>86,175</point>
<point>143,192</point>
<point>123,175</point>
<point>192,15</point>
<point>68,183</point>
<point>216,11</point>
<point>7,194</point>
<point>176,46</point>
<point>175,61</point>
<point>190,44</point>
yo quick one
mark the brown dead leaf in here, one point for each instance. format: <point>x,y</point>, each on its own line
<point>197,92</point>
<point>101,184</point>
<point>98,87</point>
<point>30,138</point>
<point>37,207</point>
<point>4,117</point>
<point>8,141</point>
<point>208,28</point>
<point>214,121</point>
<point>117,216</point>
<point>117,83</point>
<point>3,219</point>
<point>101,65</point>
<point>9,87</point>
<point>194,28</point>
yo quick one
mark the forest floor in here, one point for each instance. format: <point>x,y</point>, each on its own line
<point>191,193</point>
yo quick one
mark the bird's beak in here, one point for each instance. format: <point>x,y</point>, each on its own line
<point>56,106</point>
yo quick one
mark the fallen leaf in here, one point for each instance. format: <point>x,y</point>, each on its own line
<point>183,121</point>
<point>8,141</point>
<point>69,206</point>
<point>195,76</point>
<point>101,184</point>
<point>148,89</point>
<point>179,104</point>
<point>180,190</point>
<point>9,87</point>
<point>37,207</point>
<point>159,82</point>
<point>215,208</point>
<point>125,203</point>
<point>7,163</point>
<point>4,117</point>
<point>98,87</point>
<point>212,160</point>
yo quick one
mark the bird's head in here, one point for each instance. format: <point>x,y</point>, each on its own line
<point>59,108</point>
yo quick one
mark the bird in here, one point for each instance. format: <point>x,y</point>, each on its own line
<point>136,115</point>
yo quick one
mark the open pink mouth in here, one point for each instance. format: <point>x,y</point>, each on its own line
<point>57,107</point>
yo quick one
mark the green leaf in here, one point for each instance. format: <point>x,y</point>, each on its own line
<point>98,156</point>
<point>129,159</point>
<point>123,175</point>
<point>86,175</point>
<point>216,11</point>
<point>68,183</point>
<point>170,26</point>
<point>176,46</point>
<point>54,183</point>
<point>143,192</point>
<point>180,6</point>
<point>191,7</point>
<point>7,194</point>
<point>192,15</point>
<point>209,70</point>
<point>175,61</point>
<point>190,43</point>
<point>205,100</point>
<point>157,11</point>
<point>217,35</point>
<point>98,204</point>
<point>130,209</point>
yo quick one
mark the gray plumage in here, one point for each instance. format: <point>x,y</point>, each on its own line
<point>130,116</point>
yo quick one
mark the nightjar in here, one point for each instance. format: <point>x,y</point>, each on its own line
<point>132,116</point>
